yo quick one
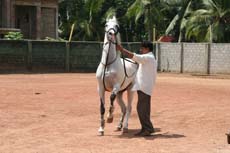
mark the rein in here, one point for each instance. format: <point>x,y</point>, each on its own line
<point>107,55</point>
<point>124,59</point>
<point>107,64</point>
<point>110,41</point>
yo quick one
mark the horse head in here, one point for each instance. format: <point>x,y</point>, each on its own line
<point>112,30</point>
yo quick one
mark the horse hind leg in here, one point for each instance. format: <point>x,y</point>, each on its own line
<point>111,109</point>
<point>130,95</point>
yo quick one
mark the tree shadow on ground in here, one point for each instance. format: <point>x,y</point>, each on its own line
<point>157,135</point>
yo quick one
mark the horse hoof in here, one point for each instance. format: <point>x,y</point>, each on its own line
<point>118,129</point>
<point>110,120</point>
<point>101,133</point>
<point>125,130</point>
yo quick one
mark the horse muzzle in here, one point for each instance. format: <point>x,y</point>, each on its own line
<point>111,37</point>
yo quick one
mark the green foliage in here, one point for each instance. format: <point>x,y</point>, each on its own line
<point>14,36</point>
<point>85,14</point>
<point>210,22</point>
<point>185,20</point>
<point>178,24</point>
<point>149,12</point>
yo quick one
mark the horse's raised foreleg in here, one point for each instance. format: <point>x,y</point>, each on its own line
<point>111,108</point>
<point>130,95</point>
<point>112,98</point>
<point>123,110</point>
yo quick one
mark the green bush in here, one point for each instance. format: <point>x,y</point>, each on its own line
<point>14,36</point>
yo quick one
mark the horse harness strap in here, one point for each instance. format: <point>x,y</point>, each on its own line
<point>106,64</point>
<point>126,75</point>
<point>105,68</point>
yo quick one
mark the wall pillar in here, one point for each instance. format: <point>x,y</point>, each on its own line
<point>56,22</point>
<point>158,56</point>
<point>38,22</point>
<point>182,59</point>
<point>208,48</point>
<point>6,14</point>
<point>12,6</point>
<point>8,9</point>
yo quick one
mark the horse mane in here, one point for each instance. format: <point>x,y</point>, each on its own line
<point>118,38</point>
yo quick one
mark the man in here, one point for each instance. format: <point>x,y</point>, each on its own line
<point>144,83</point>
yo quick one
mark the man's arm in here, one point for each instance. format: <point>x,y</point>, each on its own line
<point>125,51</point>
<point>136,57</point>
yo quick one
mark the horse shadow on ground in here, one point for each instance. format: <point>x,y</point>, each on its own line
<point>157,135</point>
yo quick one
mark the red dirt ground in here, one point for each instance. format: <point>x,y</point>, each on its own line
<point>59,113</point>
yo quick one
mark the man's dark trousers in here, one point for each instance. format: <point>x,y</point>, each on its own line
<point>143,110</point>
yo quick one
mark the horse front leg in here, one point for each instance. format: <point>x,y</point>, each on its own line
<point>102,110</point>
<point>112,98</point>
<point>111,108</point>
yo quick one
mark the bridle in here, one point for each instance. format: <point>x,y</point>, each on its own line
<point>110,42</point>
<point>115,34</point>
<point>107,56</point>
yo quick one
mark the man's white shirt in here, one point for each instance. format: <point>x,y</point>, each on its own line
<point>146,73</point>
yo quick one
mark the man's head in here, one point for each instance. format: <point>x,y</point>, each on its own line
<point>146,46</point>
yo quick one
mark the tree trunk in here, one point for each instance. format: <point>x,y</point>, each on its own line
<point>150,25</point>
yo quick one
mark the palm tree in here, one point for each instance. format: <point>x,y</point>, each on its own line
<point>211,22</point>
<point>87,16</point>
<point>68,12</point>
<point>178,23</point>
<point>90,25</point>
<point>149,10</point>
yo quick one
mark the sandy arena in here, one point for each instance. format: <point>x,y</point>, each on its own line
<point>59,113</point>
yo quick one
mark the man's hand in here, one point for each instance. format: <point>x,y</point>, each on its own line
<point>119,47</point>
<point>125,51</point>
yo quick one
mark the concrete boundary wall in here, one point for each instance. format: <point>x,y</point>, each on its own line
<point>49,56</point>
<point>202,58</point>
<point>220,58</point>
<point>169,58</point>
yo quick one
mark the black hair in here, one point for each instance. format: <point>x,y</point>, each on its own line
<point>147,44</point>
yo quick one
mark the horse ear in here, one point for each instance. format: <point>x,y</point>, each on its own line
<point>115,19</point>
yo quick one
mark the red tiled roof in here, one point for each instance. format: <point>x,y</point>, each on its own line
<point>166,39</point>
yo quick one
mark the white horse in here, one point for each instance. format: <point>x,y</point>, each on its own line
<point>115,75</point>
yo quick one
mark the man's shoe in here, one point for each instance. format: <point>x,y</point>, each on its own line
<point>145,133</point>
<point>152,131</point>
<point>138,133</point>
